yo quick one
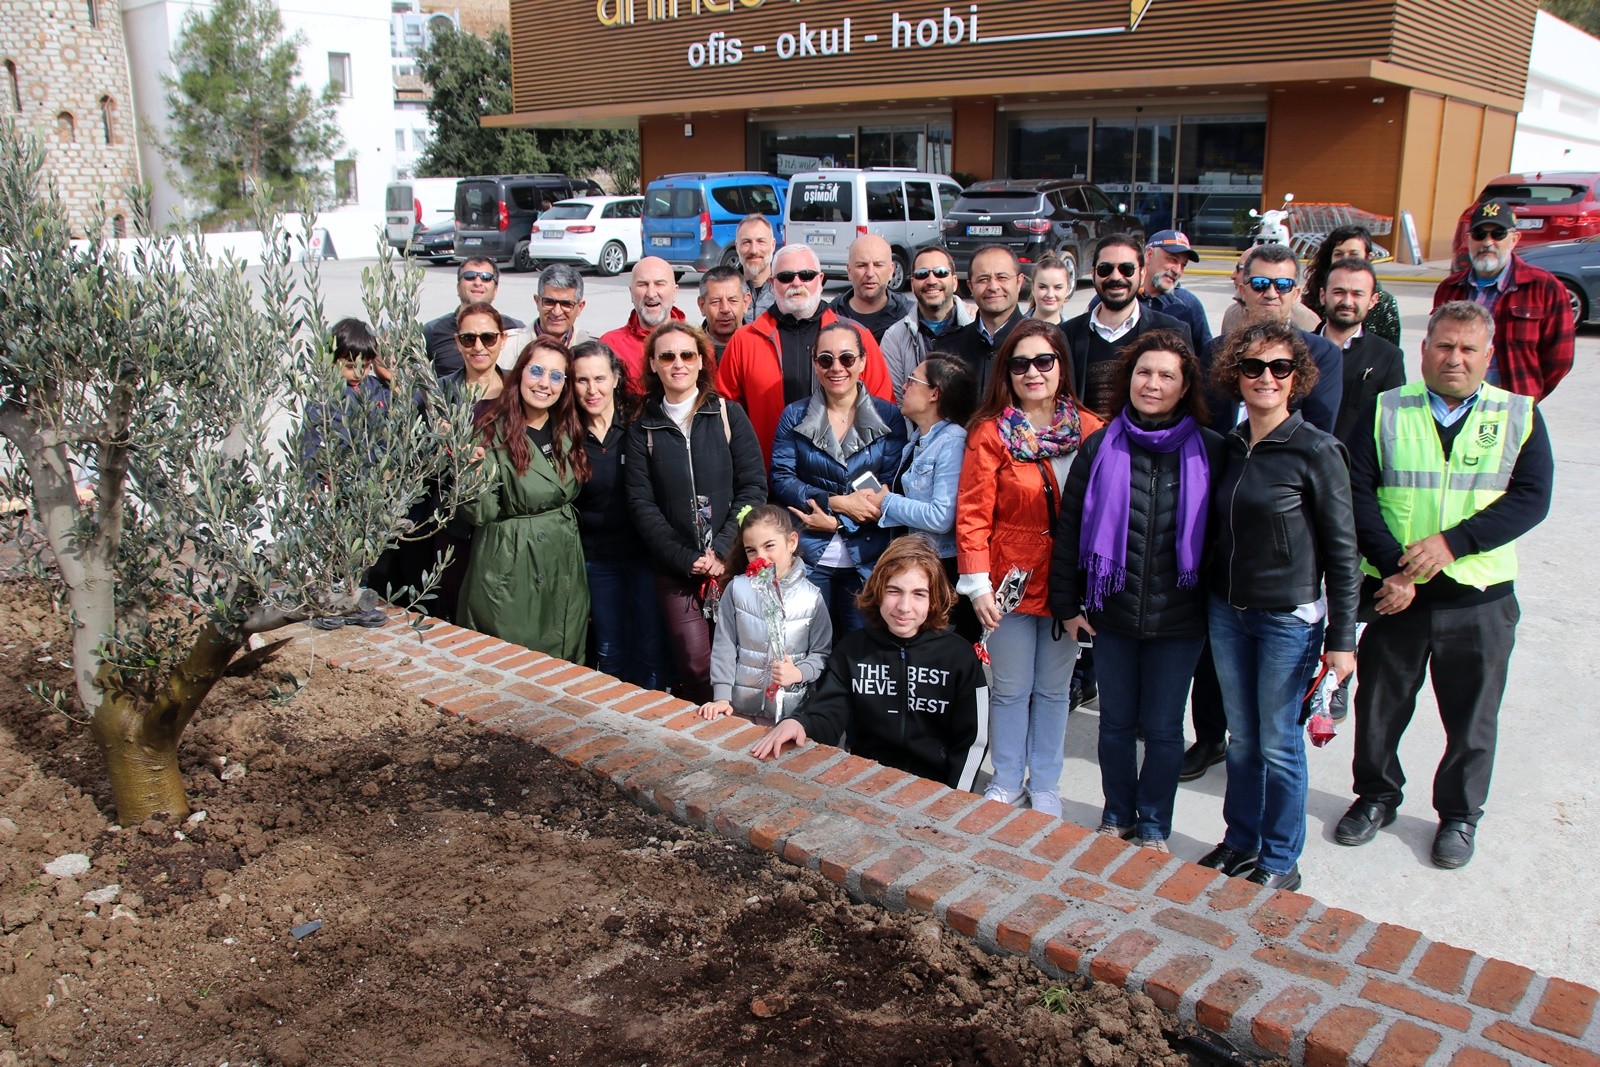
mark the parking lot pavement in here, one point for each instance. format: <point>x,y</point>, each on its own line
<point>1528,895</point>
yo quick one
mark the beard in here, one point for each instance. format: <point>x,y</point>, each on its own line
<point>801,306</point>
<point>1118,299</point>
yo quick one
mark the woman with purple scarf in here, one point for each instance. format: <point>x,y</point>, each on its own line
<point>1126,570</point>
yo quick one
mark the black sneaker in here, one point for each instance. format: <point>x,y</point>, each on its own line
<point>1229,861</point>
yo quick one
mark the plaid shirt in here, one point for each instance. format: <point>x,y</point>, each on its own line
<point>1533,335</point>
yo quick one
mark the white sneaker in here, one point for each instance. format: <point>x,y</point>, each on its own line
<point>1004,796</point>
<point>1048,802</point>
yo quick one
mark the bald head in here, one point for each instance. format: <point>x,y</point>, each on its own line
<point>653,289</point>
<point>871,267</point>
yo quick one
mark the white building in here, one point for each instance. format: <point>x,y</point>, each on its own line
<point>1559,127</point>
<point>345,44</point>
<point>410,30</point>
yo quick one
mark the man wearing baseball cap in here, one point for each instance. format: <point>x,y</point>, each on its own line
<point>1165,258</point>
<point>1533,328</point>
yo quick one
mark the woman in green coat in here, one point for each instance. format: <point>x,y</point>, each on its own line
<point>526,581</point>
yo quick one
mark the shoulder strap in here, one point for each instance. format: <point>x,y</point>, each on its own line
<point>650,442</point>
<point>727,431</point>
<point>1049,489</point>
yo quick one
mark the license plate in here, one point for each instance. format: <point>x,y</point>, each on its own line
<point>552,235</point>
<point>474,240</point>
<point>985,231</point>
<point>661,241</point>
<point>819,238</point>
<point>1530,224</point>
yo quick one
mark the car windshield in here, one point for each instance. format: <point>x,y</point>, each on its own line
<point>1536,193</point>
<point>397,198</point>
<point>998,200</point>
<point>672,203</point>
<point>569,210</point>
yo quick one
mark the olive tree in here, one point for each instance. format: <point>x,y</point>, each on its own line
<point>155,407</point>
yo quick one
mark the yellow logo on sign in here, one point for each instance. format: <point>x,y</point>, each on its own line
<point>1136,10</point>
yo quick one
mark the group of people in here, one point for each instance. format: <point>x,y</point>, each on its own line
<point>898,521</point>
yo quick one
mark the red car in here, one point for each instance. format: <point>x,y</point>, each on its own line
<point>1551,206</point>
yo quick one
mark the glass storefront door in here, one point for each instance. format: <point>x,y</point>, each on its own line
<point>1048,148</point>
<point>1135,164</point>
<point>1219,176</point>
<point>919,145</point>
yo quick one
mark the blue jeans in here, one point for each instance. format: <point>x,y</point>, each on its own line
<point>839,586</point>
<point>1144,684</point>
<point>629,642</point>
<point>1028,702</point>
<point>1265,661</point>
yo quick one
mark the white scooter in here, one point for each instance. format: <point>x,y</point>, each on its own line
<point>1272,227</point>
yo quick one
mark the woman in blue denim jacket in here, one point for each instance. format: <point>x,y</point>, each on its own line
<point>824,446</point>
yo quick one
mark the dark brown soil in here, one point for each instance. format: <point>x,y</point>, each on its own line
<point>480,904</point>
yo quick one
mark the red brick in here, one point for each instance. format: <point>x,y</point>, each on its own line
<point>683,746</point>
<point>1476,1057</point>
<point>1084,889</point>
<point>1169,982</point>
<point>558,679</point>
<point>1186,886</point>
<point>1184,922</point>
<point>572,738</point>
<point>799,788</point>
<point>446,691</point>
<point>685,720</point>
<point>878,878</point>
<point>541,730</point>
<point>766,833</point>
<point>453,638</point>
<point>1500,986</point>
<point>734,819</point>
<point>985,817</point>
<point>965,914</point>
<point>1281,912</point>
<point>745,739</point>
<point>1541,1047</point>
<point>491,657</point>
<point>472,648</point>
<point>1307,966</point>
<point>1214,1010</point>
<point>484,713</point>
<point>860,811</point>
<point>879,781</point>
<point>538,694</point>
<point>616,691</point>
<point>619,763</point>
<point>943,840</point>
<point>667,709</point>
<point>1389,947</point>
<point>577,707</point>
<point>643,784</point>
<point>1329,931</point>
<point>1443,967</point>
<point>1406,1045</point>
<point>846,770</point>
<point>447,665</point>
<point>1117,960</point>
<point>638,701</point>
<point>522,659</point>
<point>1332,1040</point>
<point>913,793</point>
<point>600,746</point>
<point>1232,894</point>
<point>809,758</point>
<point>1005,861</point>
<point>716,728</point>
<point>836,862</point>
<point>1018,929</point>
<point>1273,1026</point>
<point>460,705</point>
<point>799,849</point>
<point>1066,948</point>
<point>1408,1000</point>
<point>1140,868</point>
<point>1060,841</point>
<point>926,893</point>
<point>1565,1008</point>
<point>699,805</point>
<point>1020,829</point>
<point>1098,856</point>
<point>952,803</point>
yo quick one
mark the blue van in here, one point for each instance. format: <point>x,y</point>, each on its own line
<point>690,219</point>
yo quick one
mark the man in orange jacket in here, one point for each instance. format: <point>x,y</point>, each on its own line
<point>653,289</point>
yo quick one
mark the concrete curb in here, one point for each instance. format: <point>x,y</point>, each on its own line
<point>1277,974</point>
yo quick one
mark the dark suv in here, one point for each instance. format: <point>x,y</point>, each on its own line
<point>494,212</point>
<point>1032,217</point>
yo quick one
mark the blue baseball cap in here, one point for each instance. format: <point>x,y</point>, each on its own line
<point>1174,242</point>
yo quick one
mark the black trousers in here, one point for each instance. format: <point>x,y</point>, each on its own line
<point>1205,701</point>
<point>1467,651</point>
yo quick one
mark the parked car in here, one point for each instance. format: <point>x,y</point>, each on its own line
<point>1551,206</point>
<point>600,231</point>
<point>494,212</point>
<point>1218,219</point>
<point>690,219</point>
<point>437,242</point>
<point>1035,216</point>
<point>828,209</point>
<point>413,205</point>
<point>1577,265</point>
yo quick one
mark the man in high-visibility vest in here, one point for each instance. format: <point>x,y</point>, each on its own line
<point>1449,472</point>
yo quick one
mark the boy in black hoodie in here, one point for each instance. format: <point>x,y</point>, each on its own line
<point>908,692</point>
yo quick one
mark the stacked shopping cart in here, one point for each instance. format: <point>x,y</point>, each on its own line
<point>1310,224</point>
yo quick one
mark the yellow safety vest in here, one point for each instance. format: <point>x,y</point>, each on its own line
<point>1420,493</point>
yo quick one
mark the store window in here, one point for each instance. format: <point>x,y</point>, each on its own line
<point>919,146</point>
<point>1219,176</point>
<point>1048,148</point>
<point>788,152</point>
<point>339,72</point>
<point>344,181</point>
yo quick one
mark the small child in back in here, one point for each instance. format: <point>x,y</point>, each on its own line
<point>908,691</point>
<point>773,630</point>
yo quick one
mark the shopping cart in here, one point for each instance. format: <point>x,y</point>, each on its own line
<point>1310,224</point>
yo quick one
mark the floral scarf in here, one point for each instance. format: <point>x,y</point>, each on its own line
<point>1026,443</point>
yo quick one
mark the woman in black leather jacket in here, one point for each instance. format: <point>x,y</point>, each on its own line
<point>1283,531</point>
<point>1128,548</point>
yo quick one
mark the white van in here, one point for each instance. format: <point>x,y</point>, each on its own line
<point>413,205</point>
<point>828,209</point>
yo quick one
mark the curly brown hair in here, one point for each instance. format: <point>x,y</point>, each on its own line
<point>903,554</point>
<point>1250,342</point>
<point>1193,401</point>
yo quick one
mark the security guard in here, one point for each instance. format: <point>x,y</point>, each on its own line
<point>1448,474</point>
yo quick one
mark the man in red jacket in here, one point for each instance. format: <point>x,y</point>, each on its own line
<point>1533,330</point>
<point>653,289</point>
<point>767,364</point>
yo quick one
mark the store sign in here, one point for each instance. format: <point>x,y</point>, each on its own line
<point>954,26</point>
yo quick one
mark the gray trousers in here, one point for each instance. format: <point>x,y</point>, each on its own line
<point>1468,650</point>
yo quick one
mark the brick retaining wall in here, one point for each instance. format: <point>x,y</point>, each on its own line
<point>1275,973</point>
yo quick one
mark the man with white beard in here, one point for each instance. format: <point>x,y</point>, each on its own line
<point>1533,328</point>
<point>767,364</point>
<point>653,289</point>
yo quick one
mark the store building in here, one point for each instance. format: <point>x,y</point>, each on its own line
<point>1188,109</point>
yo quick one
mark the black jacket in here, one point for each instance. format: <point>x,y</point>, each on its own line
<point>1371,366</point>
<point>1082,341</point>
<point>1282,522</point>
<point>919,705</point>
<point>969,346</point>
<point>1150,603</point>
<point>605,522</point>
<point>662,483</point>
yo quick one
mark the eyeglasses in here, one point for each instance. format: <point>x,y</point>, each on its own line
<point>678,357</point>
<point>922,273</point>
<point>1127,270</point>
<point>537,372</point>
<point>477,276</point>
<point>919,381</point>
<point>565,305</point>
<point>825,360</point>
<point>1255,368</point>
<point>1489,233</point>
<point>467,340</point>
<point>1018,365</point>
<point>786,276</point>
<point>1283,285</point>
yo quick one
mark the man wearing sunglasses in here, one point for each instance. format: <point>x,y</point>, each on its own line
<point>767,365</point>
<point>1533,328</point>
<point>937,313</point>
<point>869,300</point>
<point>477,280</point>
<point>560,303</point>
<point>1118,318</point>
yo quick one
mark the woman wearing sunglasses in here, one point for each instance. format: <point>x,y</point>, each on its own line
<point>692,462</point>
<point>831,457</point>
<point>1284,579</point>
<point>1020,445</point>
<point>525,582</point>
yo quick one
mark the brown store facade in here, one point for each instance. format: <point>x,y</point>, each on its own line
<point>1177,107</point>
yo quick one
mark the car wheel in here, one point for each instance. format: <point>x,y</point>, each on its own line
<point>677,276</point>
<point>730,258</point>
<point>613,257</point>
<point>522,259</point>
<point>900,279</point>
<point>1580,309</point>
<point>1069,260</point>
